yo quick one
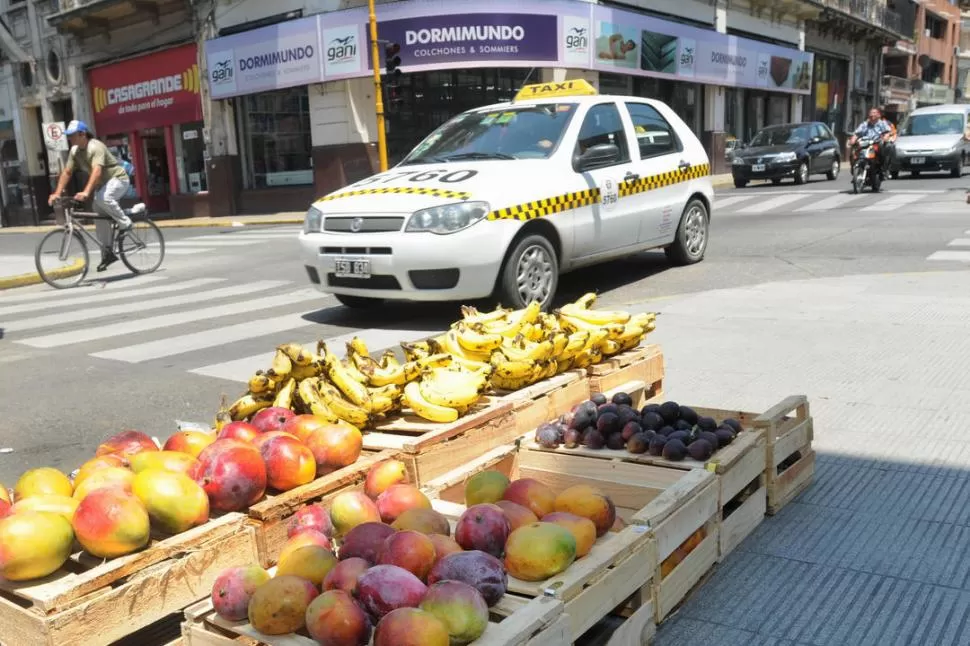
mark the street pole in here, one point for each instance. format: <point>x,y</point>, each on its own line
<point>378,94</point>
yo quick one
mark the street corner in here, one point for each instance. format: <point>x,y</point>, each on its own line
<point>33,278</point>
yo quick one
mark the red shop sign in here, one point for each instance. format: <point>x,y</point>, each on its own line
<point>150,91</point>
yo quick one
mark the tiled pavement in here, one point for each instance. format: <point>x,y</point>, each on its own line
<point>877,551</point>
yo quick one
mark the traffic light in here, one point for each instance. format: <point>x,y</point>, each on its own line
<point>392,61</point>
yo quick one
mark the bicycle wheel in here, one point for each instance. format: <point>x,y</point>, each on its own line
<point>60,246</point>
<point>142,248</point>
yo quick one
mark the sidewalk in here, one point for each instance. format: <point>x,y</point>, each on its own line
<point>875,552</point>
<point>283,217</point>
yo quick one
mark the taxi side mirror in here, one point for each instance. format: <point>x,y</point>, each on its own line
<point>598,155</point>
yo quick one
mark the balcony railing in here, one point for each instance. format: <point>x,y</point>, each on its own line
<point>870,11</point>
<point>896,83</point>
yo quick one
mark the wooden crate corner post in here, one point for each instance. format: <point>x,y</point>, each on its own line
<point>790,464</point>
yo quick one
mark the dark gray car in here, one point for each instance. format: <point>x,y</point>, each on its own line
<point>795,150</point>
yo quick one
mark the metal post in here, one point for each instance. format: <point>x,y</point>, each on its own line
<point>378,95</point>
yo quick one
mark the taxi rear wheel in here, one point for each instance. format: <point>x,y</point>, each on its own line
<point>530,273</point>
<point>358,302</point>
<point>692,233</point>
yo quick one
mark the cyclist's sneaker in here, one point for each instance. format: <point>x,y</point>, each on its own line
<point>106,259</point>
<point>125,225</point>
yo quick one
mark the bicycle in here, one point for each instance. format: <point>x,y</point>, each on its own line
<point>124,244</point>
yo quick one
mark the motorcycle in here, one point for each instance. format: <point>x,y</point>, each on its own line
<point>866,166</point>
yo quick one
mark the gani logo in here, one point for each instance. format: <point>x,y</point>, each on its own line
<point>577,39</point>
<point>221,72</point>
<point>342,50</point>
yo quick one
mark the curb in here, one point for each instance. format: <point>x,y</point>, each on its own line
<point>170,224</point>
<point>10,282</point>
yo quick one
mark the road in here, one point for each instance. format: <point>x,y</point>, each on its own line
<point>142,352</point>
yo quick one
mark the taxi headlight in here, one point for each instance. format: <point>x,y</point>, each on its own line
<point>448,218</point>
<point>313,222</point>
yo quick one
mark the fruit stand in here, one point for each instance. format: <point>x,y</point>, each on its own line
<point>333,480</point>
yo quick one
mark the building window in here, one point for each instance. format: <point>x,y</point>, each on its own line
<point>26,75</point>
<point>191,152</point>
<point>276,126</point>
<point>53,66</point>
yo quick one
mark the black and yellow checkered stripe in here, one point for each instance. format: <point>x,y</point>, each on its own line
<point>560,203</point>
<point>402,190</point>
<point>547,206</point>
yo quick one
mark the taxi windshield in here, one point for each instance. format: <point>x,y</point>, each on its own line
<point>513,132</point>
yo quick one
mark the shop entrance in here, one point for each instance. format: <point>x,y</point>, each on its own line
<point>156,167</point>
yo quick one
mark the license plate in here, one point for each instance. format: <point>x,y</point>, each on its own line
<point>917,161</point>
<point>352,268</point>
<point>758,168</point>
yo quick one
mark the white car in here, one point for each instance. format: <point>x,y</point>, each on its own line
<point>503,199</point>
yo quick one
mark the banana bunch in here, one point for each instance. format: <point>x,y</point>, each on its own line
<point>444,394</point>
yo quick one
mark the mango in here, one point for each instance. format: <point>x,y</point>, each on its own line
<point>96,464</point>
<point>315,517</point>
<point>189,442</point>
<point>426,521</point>
<point>289,464</point>
<point>344,575</point>
<point>33,544</point>
<point>165,460</point>
<point>539,551</point>
<point>588,502</point>
<point>535,496</point>
<point>483,527</point>
<point>126,444</point>
<point>399,498</point>
<point>516,514</point>
<point>351,508</point>
<point>111,522</point>
<point>384,588</point>
<point>335,619</point>
<point>233,589</point>
<point>383,475</point>
<point>279,606</point>
<point>443,546</point>
<point>335,446</point>
<point>582,529</point>
<point>366,541</point>
<point>410,550</point>
<point>311,562</point>
<point>460,607</point>
<point>41,481</point>
<point>174,501</point>
<point>232,473</point>
<point>411,627</point>
<point>485,486</point>
<point>108,477</point>
<point>301,426</point>
<point>63,505</point>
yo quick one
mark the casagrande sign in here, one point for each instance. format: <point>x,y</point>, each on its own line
<point>459,34</point>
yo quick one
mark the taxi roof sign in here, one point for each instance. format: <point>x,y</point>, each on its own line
<point>576,87</point>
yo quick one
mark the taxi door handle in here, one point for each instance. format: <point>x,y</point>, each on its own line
<point>630,177</point>
<point>684,165</point>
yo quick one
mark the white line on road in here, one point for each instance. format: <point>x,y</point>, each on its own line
<point>186,252</point>
<point>831,202</point>
<point>127,309</point>
<point>100,297</point>
<point>168,320</point>
<point>377,339</point>
<point>892,203</point>
<point>959,256</point>
<point>189,242</point>
<point>720,203</point>
<point>959,242</point>
<point>88,288</point>
<point>746,193</point>
<point>252,237</point>
<point>768,205</point>
<point>206,339</point>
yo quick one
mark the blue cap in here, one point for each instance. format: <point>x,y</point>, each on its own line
<point>75,127</point>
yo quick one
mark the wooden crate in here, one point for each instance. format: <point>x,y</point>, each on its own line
<point>94,602</point>
<point>271,514</point>
<point>544,400</point>
<point>739,468</point>
<point>514,621</point>
<point>644,363</point>
<point>665,505</point>
<point>790,465</point>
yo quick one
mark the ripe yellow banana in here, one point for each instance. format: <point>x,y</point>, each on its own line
<point>613,330</point>
<point>609,348</point>
<point>247,406</point>
<point>393,391</point>
<point>354,390</point>
<point>475,339</point>
<point>305,372</point>
<point>522,350</point>
<point>297,354</point>
<point>587,357</point>
<point>575,344</point>
<point>281,367</point>
<point>596,337</point>
<point>378,377</point>
<point>358,345</point>
<point>448,379</point>
<point>643,319</point>
<point>549,370</point>
<point>415,351</point>
<point>511,370</point>
<point>432,392</point>
<point>425,409</point>
<point>413,369</point>
<point>472,315</point>
<point>515,321</point>
<point>259,383</point>
<point>559,342</point>
<point>284,398</point>
<point>595,317</point>
<point>222,417</point>
<point>345,410</point>
<point>451,346</point>
<point>469,364</point>
<point>511,384</point>
<point>585,301</point>
<point>307,390</point>
<point>389,360</point>
<point>353,372</point>
<point>563,365</point>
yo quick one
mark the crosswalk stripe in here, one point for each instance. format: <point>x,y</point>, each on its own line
<point>46,294</point>
<point>723,203</point>
<point>768,205</point>
<point>251,236</point>
<point>893,202</point>
<point>206,339</point>
<point>186,252</point>
<point>959,256</point>
<point>126,309</point>
<point>959,242</point>
<point>168,320</point>
<point>100,297</point>
<point>831,202</point>
<point>189,242</point>
<point>377,340</point>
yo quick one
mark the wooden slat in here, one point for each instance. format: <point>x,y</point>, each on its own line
<point>744,520</point>
<point>675,588</point>
<point>648,366</point>
<point>784,487</point>
<point>427,433</point>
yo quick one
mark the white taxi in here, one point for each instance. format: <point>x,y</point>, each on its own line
<point>501,200</point>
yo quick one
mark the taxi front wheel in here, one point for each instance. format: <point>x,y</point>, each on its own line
<point>530,273</point>
<point>691,241</point>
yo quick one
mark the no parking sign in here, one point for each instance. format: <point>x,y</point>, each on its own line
<point>54,137</point>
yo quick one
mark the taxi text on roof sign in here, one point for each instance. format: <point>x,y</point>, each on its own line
<point>577,87</point>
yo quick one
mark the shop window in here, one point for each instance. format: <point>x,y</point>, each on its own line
<point>654,134</point>
<point>191,152</point>
<point>602,125</point>
<point>277,129</point>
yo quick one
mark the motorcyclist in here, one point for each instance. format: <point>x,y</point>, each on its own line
<point>874,127</point>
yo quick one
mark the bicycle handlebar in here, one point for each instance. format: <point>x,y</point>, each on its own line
<point>67,200</point>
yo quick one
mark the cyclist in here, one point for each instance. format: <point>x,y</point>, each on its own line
<point>875,127</point>
<point>105,175</point>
